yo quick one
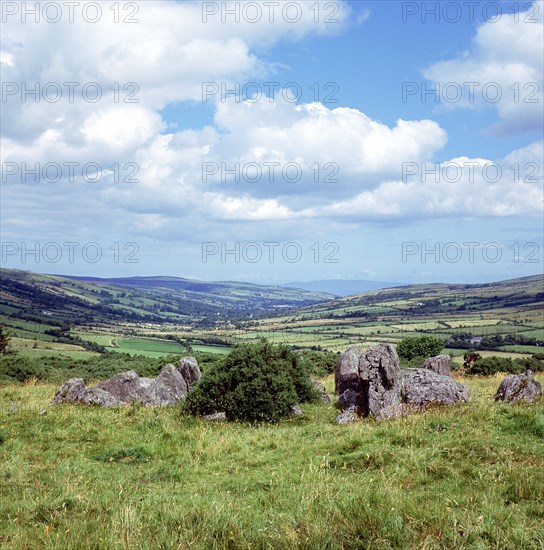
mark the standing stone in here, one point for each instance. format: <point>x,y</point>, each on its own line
<point>441,364</point>
<point>517,387</point>
<point>168,388</point>
<point>346,376</point>
<point>188,368</point>
<point>379,372</point>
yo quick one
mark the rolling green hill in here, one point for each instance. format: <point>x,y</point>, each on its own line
<point>51,300</point>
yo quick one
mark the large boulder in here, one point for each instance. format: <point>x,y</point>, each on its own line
<point>168,388</point>
<point>422,387</point>
<point>519,387</point>
<point>70,392</point>
<point>379,388</point>
<point>75,391</point>
<point>441,364</point>
<point>379,372</point>
<point>346,376</point>
<point>189,369</point>
<point>125,386</point>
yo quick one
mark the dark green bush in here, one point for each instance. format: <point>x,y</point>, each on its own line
<point>255,383</point>
<point>320,363</point>
<point>486,366</point>
<point>419,347</point>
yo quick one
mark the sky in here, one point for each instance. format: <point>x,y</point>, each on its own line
<point>273,141</point>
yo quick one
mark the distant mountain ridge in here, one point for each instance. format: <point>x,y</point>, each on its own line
<point>342,287</point>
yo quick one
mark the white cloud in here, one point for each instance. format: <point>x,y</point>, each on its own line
<point>505,68</point>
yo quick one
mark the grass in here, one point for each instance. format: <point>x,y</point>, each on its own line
<point>470,476</point>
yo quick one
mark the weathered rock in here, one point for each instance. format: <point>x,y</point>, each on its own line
<point>97,396</point>
<point>349,399</point>
<point>347,417</point>
<point>320,388</point>
<point>125,386</point>
<point>384,391</point>
<point>189,369</point>
<point>519,387</point>
<point>70,391</point>
<point>379,372</point>
<point>215,417</point>
<point>168,388</point>
<point>296,410</point>
<point>422,387</point>
<point>441,364</point>
<point>346,376</point>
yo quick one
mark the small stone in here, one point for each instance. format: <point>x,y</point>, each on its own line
<point>519,387</point>
<point>215,417</point>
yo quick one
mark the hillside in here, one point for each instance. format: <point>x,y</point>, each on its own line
<point>53,299</point>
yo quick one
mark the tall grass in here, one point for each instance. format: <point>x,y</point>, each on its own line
<point>469,476</point>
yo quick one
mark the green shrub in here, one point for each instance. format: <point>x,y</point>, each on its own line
<point>254,383</point>
<point>419,347</point>
<point>486,366</point>
<point>320,363</point>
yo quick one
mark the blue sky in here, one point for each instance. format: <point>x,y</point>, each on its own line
<point>354,212</point>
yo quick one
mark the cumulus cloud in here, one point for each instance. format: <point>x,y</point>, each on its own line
<point>503,69</point>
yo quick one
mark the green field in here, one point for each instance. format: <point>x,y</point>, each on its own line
<point>469,476</point>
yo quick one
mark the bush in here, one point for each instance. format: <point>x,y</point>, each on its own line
<point>486,366</point>
<point>320,363</point>
<point>419,347</point>
<point>254,383</point>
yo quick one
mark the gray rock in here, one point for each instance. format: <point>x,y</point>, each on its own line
<point>168,388</point>
<point>125,387</point>
<point>422,387</point>
<point>189,369</point>
<point>70,391</point>
<point>346,376</point>
<point>441,364</point>
<point>296,410</point>
<point>519,387</point>
<point>13,407</point>
<point>347,417</point>
<point>97,396</point>
<point>215,417</point>
<point>320,388</point>
<point>349,399</point>
<point>379,372</point>
<point>383,390</point>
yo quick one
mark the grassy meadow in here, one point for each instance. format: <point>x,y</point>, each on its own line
<point>469,476</point>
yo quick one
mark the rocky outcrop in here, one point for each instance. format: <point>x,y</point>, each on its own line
<point>519,387</point>
<point>371,383</point>
<point>169,388</point>
<point>441,364</point>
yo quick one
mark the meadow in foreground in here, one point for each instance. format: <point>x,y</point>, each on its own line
<point>468,476</point>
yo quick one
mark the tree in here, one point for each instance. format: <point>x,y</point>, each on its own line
<point>5,339</point>
<point>419,347</point>
<point>255,382</point>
